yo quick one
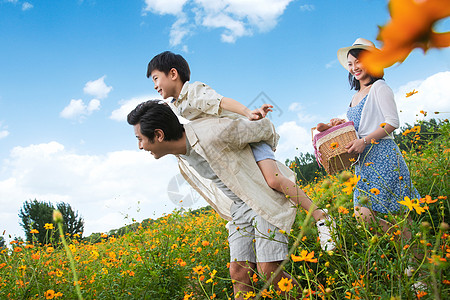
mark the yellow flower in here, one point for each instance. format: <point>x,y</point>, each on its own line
<point>285,284</point>
<point>412,205</point>
<point>50,250</point>
<point>411,26</point>
<point>424,113</point>
<point>249,295</point>
<point>304,256</point>
<point>50,294</point>
<point>411,93</point>
<point>48,226</point>
<point>350,184</point>
<point>34,231</point>
<point>187,296</point>
<point>375,191</point>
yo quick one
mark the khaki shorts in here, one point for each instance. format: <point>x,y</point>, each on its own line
<point>252,238</point>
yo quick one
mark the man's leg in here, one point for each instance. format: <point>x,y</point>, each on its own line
<point>241,273</point>
<point>269,268</point>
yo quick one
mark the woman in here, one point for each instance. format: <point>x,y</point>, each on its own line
<point>385,178</point>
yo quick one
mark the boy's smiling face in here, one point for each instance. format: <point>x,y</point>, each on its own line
<point>166,84</point>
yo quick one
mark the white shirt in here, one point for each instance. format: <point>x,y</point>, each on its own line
<point>380,108</point>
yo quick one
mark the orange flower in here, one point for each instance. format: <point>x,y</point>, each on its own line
<point>424,113</point>
<point>427,200</point>
<point>411,93</point>
<point>205,243</point>
<point>199,270</point>
<point>373,141</point>
<point>375,191</point>
<point>285,284</point>
<point>304,256</point>
<point>34,231</point>
<point>382,125</point>
<point>342,210</point>
<point>420,294</point>
<point>411,26</point>
<point>50,250</point>
<point>17,249</point>
<point>334,145</point>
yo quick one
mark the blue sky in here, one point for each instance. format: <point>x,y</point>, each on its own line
<point>72,70</point>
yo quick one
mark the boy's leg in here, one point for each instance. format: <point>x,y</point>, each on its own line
<point>282,184</point>
<point>240,273</point>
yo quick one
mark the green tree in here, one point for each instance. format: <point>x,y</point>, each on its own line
<point>72,223</point>
<point>305,167</point>
<point>36,214</point>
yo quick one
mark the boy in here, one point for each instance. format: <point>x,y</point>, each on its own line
<point>171,74</point>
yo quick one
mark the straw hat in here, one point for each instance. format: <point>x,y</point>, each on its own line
<point>360,43</point>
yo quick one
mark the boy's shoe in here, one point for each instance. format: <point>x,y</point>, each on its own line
<point>326,241</point>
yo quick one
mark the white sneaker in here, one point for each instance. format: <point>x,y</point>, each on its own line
<point>326,241</point>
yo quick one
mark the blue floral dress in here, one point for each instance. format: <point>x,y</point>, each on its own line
<point>385,177</point>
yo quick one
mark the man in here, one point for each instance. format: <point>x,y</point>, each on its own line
<point>219,164</point>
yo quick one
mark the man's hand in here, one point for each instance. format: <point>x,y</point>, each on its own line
<point>259,113</point>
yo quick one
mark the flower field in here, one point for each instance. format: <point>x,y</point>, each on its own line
<point>185,255</point>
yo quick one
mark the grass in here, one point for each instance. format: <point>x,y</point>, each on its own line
<point>184,255</point>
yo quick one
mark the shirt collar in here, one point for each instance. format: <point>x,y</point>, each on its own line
<point>183,93</point>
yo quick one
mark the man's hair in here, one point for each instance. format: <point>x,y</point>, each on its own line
<point>156,114</point>
<point>167,60</point>
<point>354,84</point>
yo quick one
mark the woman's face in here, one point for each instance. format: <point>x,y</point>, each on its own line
<point>356,69</point>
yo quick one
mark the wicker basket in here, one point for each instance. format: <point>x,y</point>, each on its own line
<point>329,147</point>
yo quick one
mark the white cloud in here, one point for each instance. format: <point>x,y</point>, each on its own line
<point>307,7</point>
<point>293,140</point>
<point>238,18</point>
<point>163,7</point>
<point>433,95</point>
<point>97,88</point>
<point>102,188</point>
<point>3,131</point>
<point>126,106</point>
<point>301,115</point>
<point>27,6</point>
<point>77,109</point>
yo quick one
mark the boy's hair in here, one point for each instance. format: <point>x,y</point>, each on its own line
<point>167,60</point>
<point>354,84</point>
<point>156,114</point>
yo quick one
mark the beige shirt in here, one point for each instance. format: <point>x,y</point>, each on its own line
<point>198,100</point>
<point>224,143</point>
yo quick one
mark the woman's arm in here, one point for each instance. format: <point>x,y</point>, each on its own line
<point>358,145</point>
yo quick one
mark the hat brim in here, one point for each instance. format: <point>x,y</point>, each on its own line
<point>343,52</point>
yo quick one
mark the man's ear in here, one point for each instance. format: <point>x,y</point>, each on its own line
<point>159,135</point>
<point>173,74</point>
